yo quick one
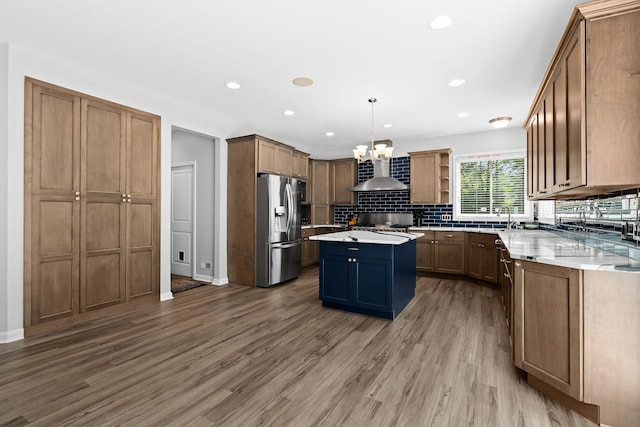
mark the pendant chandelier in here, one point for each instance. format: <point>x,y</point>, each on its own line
<point>377,152</point>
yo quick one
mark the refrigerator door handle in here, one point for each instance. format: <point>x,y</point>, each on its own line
<point>289,208</point>
<point>285,245</point>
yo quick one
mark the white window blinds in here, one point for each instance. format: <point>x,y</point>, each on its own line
<point>486,182</point>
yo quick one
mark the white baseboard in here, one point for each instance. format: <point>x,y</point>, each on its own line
<point>220,282</point>
<point>15,335</point>
<point>166,296</point>
<point>202,278</point>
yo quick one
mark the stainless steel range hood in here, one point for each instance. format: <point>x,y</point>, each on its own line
<point>381,180</point>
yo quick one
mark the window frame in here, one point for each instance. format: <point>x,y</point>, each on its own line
<point>491,155</point>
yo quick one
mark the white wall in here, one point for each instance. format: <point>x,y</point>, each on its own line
<point>19,62</point>
<point>512,138</point>
<point>4,182</point>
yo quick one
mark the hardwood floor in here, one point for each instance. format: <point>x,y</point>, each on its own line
<point>240,356</point>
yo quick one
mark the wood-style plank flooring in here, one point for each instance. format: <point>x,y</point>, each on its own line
<point>239,356</point>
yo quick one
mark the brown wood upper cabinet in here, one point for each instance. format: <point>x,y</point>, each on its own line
<point>429,176</point>
<point>274,158</point>
<point>91,205</point>
<point>320,182</point>
<point>583,124</point>
<point>344,177</point>
<point>299,164</point>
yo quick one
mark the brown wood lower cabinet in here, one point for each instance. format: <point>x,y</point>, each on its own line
<point>577,335</point>
<point>548,323</point>
<point>424,251</point>
<point>449,252</point>
<point>309,247</point>
<point>482,260</point>
<point>441,252</point>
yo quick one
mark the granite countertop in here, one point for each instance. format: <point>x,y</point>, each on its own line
<point>362,236</point>
<point>465,230</point>
<point>552,248</point>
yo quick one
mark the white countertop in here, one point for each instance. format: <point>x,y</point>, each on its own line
<point>551,248</point>
<point>363,236</point>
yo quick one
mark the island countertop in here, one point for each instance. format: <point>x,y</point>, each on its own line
<point>363,236</point>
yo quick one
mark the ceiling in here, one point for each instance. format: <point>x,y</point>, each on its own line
<point>353,50</point>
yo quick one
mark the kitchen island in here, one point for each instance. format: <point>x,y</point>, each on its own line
<point>368,272</point>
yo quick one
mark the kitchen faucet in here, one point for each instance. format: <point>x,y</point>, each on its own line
<point>582,218</point>
<point>508,215</point>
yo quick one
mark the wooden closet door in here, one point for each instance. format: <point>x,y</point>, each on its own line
<point>52,159</point>
<point>142,206</point>
<point>103,209</point>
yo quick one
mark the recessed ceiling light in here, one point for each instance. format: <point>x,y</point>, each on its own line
<point>456,82</point>
<point>233,85</point>
<point>329,133</point>
<point>302,81</point>
<point>288,113</point>
<point>388,125</point>
<point>463,114</point>
<point>500,122</point>
<point>440,22</point>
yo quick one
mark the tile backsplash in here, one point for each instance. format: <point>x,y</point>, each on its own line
<point>607,213</point>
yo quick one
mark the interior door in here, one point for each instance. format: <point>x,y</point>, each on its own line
<point>182,220</point>
<point>142,205</point>
<point>53,206</point>
<point>103,205</point>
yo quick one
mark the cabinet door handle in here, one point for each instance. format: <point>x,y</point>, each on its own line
<point>449,235</point>
<point>353,249</point>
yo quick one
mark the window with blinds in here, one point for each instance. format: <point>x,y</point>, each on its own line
<point>486,182</point>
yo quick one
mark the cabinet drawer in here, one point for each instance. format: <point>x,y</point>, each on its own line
<point>306,232</point>
<point>428,235</point>
<point>449,235</point>
<point>356,250</point>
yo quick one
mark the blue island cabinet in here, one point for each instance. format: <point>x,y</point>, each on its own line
<point>367,278</point>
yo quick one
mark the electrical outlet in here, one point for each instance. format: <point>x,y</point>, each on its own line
<point>445,217</point>
<point>202,265</point>
<point>207,265</point>
<point>633,203</point>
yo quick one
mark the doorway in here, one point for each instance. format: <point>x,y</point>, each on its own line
<point>192,206</point>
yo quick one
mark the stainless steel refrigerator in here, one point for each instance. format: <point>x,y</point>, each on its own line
<point>279,233</point>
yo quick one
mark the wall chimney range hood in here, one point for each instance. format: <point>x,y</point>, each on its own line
<point>381,180</point>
